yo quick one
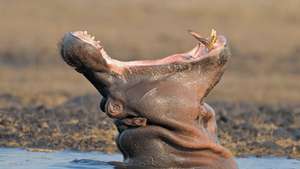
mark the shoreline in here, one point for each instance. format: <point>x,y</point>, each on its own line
<point>247,129</point>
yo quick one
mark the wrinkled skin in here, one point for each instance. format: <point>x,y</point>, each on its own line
<point>157,105</point>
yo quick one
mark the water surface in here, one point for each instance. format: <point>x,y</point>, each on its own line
<point>13,158</point>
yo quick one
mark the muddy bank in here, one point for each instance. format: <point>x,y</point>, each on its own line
<point>76,124</point>
<point>245,128</point>
<point>253,129</point>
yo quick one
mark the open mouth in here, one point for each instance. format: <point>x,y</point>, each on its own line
<point>82,51</point>
<point>206,47</point>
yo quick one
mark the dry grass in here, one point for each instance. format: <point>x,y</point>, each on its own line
<point>263,35</point>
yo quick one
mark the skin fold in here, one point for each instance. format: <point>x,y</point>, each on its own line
<point>158,105</point>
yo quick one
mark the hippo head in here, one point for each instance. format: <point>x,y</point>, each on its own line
<point>158,105</point>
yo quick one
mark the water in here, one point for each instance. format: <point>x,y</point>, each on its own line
<point>12,158</point>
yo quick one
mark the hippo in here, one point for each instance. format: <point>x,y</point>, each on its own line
<point>158,105</point>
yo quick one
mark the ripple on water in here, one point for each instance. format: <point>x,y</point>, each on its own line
<point>13,158</point>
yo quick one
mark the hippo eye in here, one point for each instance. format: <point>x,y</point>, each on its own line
<point>114,108</point>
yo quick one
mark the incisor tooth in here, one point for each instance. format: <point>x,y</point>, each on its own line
<point>93,37</point>
<point>213,39</point>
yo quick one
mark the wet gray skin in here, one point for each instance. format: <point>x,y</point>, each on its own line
<point>158,105</point>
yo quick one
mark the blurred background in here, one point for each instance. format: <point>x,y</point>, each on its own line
<point>45,103</point>
<point>263,35</point>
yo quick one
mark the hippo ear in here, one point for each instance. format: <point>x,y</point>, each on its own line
<point>88,58</point>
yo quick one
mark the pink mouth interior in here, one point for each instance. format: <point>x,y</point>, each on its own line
<point>197,53</point>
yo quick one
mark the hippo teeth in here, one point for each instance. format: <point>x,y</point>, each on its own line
<point>213,39</point>
<point>208,43</point>
<point>85,36</point>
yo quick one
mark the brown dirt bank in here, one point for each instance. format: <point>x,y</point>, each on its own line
<point>245,128</point>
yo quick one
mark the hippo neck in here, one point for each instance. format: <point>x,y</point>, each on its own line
<point>170,147</point>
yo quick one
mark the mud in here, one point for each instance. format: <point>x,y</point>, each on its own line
<point>76,124</point>
<point>244,128</point>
